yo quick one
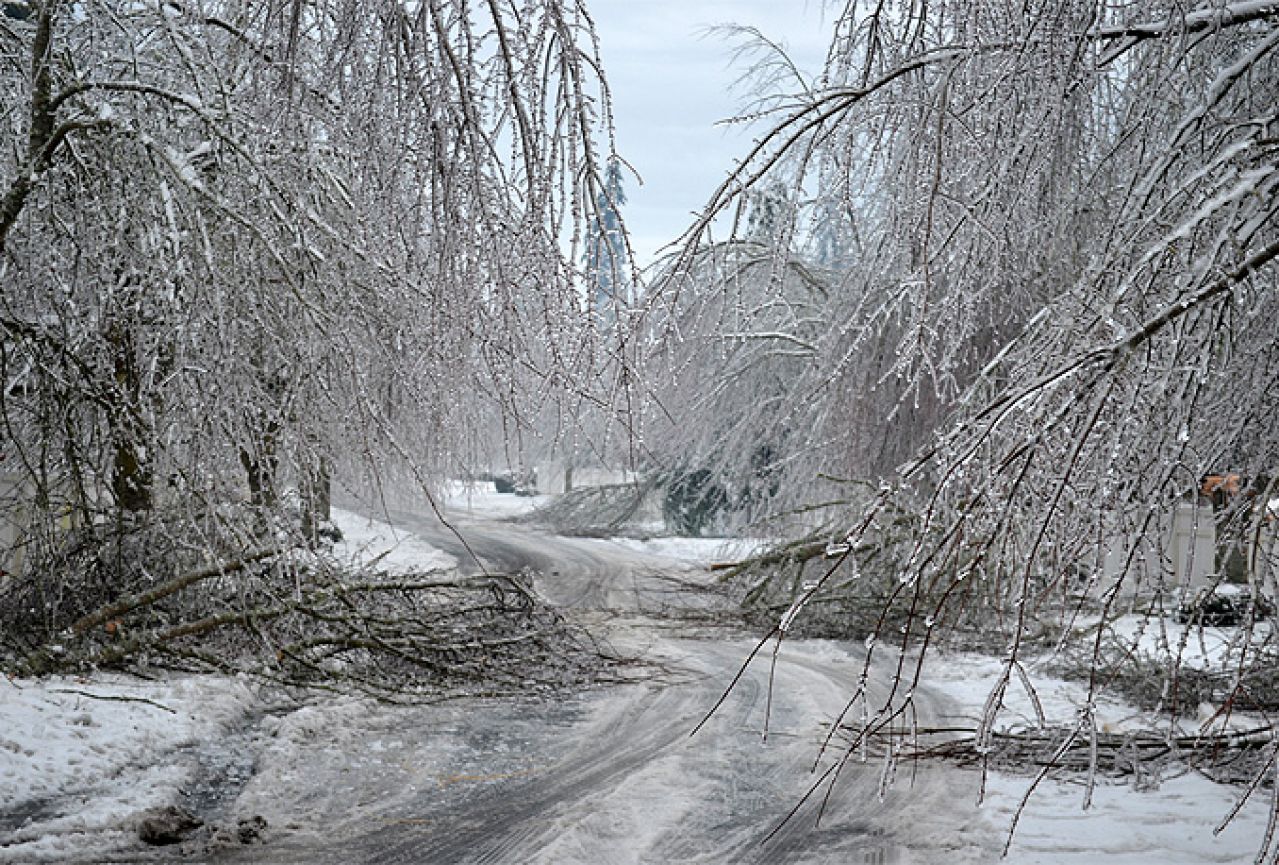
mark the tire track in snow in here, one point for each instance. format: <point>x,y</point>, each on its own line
<point>611,777</point>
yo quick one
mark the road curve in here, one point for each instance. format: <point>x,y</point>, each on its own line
<point>611,775</point>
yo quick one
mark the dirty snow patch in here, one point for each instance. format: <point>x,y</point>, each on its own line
<point>80,757</point>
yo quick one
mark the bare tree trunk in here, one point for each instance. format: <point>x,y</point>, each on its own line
<point>131,475</point>
<point>261,465</point>
<point>317,499</point>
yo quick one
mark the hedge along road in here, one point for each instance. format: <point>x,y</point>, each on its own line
<point>610,775</point>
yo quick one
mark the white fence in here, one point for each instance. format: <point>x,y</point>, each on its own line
<point>1190,557</point>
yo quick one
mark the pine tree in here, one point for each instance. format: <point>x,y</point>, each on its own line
<point>607,261</point>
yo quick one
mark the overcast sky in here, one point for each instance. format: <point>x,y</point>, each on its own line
<point>672,82</point>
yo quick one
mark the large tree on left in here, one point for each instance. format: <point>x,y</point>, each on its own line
<point>248,247</point>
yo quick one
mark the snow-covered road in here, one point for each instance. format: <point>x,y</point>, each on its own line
<point>610,776</point>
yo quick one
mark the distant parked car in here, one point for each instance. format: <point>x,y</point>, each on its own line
<point>1226,605</point>
<point>510,484</point>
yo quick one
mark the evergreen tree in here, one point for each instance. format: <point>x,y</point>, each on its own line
<point>607,261</point>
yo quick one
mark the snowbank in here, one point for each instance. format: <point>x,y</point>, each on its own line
<point>81,757</point>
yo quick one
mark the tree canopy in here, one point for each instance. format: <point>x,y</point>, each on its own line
<point>1043,239</point>
<point>246,248</point>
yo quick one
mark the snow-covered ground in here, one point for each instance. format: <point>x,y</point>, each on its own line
<point>1169,820</point>
<point>481,499</point>
<point>1160,639</point>
<point>701,552</point>
<point>373,543</point>
<point>79,758</point>
<point>1172,825</point>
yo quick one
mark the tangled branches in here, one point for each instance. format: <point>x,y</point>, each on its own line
<point>1229,756</point>
<point>297,618</point>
